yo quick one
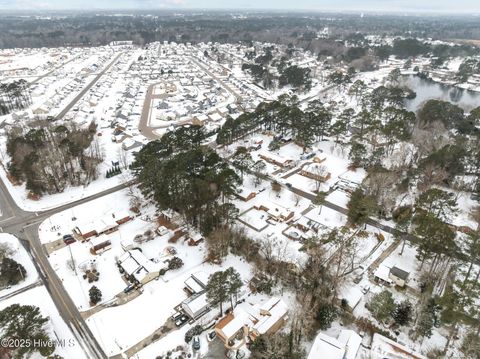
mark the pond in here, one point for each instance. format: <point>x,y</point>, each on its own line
<point>427,89</point>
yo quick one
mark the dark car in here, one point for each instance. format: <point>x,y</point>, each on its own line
<point>212,335</point>
<point>67,236</point>
<point>129,289</point>
<point>181,321</point>
<point>69,241</point>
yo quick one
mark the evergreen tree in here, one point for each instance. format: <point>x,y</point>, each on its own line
<point>234,284</point>
<point>360,207</point>
<point>217,289</point>
<point>326,314</point>
<point>95,295</point>
<point>11,272</point>
<point>25,322</point>
<point>403,313</point>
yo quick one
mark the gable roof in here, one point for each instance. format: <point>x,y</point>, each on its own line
<point>399,273</point>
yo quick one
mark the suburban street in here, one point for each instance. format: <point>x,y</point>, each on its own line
<point>24,225</point>
<point>86,88</point>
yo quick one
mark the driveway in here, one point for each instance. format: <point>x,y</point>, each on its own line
<point>216,350</point>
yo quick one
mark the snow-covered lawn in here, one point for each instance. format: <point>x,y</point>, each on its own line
<point>119,328</point>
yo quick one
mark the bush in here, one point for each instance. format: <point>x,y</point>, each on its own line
<point>326,314</point>
<point>196,330</point>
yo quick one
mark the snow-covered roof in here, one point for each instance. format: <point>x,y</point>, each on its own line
<point>382,347</point>
<point>270,313</point>
<point>274,157</point>
<point>193,285</point>
<point>196,303</point>
<point>352,342</point>
<point>239,320</point>
<point>215,116</point>
<point>135,263</point>
<point>382,273</point>
<point>352,295</point>
<point>325,346</point>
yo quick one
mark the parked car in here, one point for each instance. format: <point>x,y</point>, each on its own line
<point>365,289</point>
<point>177,316</point>
<point>196,343</point>
<point>211,335</point>
<point>69,241</point>
<point>129,289</point>
<point>181,321</point>
<point>67,236</point>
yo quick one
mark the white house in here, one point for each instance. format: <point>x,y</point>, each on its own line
<point>195,305</point>
<point>344,347</point>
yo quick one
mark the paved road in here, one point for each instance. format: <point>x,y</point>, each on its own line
<point>87,88</point>
<point>143,126</point>
<point>24,225</point>
<point>51,71</point>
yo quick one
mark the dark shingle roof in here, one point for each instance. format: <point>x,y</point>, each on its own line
<point>399,273</point>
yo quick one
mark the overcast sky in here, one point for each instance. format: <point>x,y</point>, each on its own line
<point>445,6</point>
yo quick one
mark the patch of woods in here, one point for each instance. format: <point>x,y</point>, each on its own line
<point>316,283</point>
<point>11,272</point>
<point>14,96</point>
<point>50,157</point>
<point>289,75</point>
<point>178,172</point>
<point>283,117</point>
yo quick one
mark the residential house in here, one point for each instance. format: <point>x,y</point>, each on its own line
<point>344,347</point>
<point>276,159</point>
<point>196,305</point>
<point>137,267</point>
<point>249,321</point>
<point>196,283</point>
<point>105,225</point>
<point>101,247</point>
<point>383,347</point>
<point>245,194</point>
<point>398,276</point>
<point>316,172</point>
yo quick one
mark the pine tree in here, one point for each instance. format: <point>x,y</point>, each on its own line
<point>234,283</point>
<point>95,295</point>
<point>326,314</point>
<point>26,322</point>
<point>11,272</point>
<point>403,313</point>
<point>217,291</point>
